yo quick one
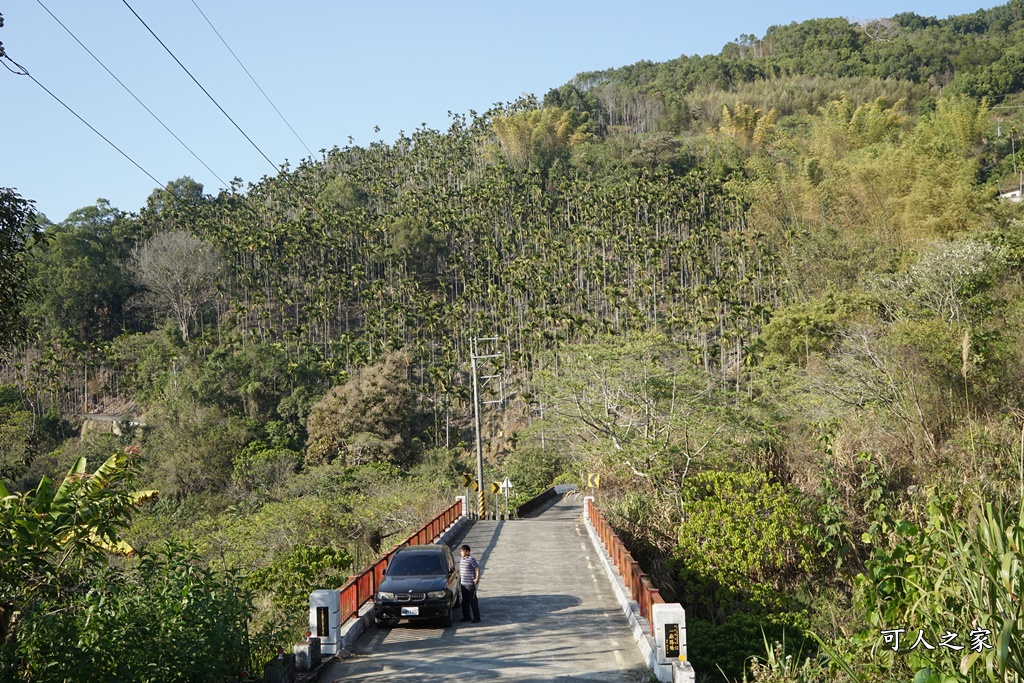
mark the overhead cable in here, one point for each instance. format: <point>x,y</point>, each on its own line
<point>255,146</point>
<point>251,78</point>
<point>128,90</point>
<point>24,72</point>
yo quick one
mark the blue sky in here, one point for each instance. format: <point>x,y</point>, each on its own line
<point>333,69</point>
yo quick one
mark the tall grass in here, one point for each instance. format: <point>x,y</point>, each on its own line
<point>960,577</point>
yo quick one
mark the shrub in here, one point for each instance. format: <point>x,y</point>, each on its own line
<point>740,541</point>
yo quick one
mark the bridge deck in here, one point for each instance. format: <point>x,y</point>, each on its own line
<point>547,613</point>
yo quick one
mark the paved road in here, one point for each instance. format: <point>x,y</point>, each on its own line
<point>547,613</point>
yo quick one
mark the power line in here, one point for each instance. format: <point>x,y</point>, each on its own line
<point>24,72</point>
<point>251,78</point>
<point>255,146</point>
<point>285,177</point>
<point>13,71</point>
<point>128,90</point>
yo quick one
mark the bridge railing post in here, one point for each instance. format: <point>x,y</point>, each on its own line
<point>634,583</point>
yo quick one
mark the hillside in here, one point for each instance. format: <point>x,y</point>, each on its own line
<point>772,295</point>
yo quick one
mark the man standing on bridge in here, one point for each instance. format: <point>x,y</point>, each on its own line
<point>469,577</point>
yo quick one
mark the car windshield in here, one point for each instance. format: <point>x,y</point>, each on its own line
<point>411,565</point>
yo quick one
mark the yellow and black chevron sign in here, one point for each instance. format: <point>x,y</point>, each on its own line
<point>495,487</point>
<point>593,481</point>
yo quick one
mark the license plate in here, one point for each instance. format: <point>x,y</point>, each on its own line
<point>410,611</point>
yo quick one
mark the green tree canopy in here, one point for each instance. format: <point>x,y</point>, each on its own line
<point>19,235</point>
<point>83,289</point>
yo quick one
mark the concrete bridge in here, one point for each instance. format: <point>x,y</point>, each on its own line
<point>553,607</point>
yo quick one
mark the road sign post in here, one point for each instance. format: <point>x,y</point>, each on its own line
<point>495,488</point>
<point>472,484</point>
<point>506,487</point>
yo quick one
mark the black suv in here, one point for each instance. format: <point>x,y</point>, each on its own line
<point>420,582</point>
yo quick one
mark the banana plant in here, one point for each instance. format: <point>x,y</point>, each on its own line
<point>48,532</point>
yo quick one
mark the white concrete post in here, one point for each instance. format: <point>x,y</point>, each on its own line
<point>682,672</point>
<point>465,505</point>
<point>325,618</point>
<point>670,632</point>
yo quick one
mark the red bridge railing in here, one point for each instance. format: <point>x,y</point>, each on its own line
<point>363,585</point>
<point>635,579</point>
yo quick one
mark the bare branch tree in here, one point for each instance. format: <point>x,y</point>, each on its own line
<point>180,275</point>
<point>881,30</point>
<point>862,374</point>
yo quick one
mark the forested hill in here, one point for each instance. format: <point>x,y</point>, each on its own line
<point>773,296</point>
<point>976,55</point>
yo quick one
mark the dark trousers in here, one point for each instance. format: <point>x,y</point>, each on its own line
<point>469,601</point>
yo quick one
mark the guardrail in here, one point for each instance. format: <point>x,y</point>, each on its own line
<point>539,500</point>
<point>361,587</point>
<point>637,581</point>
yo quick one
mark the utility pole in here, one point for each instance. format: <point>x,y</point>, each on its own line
<point>474,358</point>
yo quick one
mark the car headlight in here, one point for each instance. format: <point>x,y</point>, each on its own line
<point>436,595</point>
<point>385,596</point>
